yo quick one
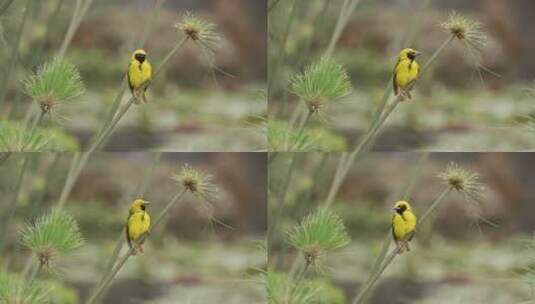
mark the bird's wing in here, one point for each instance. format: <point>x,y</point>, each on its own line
<point>128,76</point>
<point>393,233</point>
<point>394,80</point>
<point>128,235</point>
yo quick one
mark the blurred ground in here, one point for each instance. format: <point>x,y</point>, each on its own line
<point>202,252</point>
<point>467,253</point>
<point>456,106</point>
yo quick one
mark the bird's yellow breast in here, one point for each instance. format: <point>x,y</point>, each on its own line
<point>139,73</point>
<point>138,224</point>
<point>406,72</point>
<point>403,224</point>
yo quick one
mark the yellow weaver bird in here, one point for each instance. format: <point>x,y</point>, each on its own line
<point>406,72</point>
<point>403,224</point>
<point>139,75</point>
<point>137,225</point>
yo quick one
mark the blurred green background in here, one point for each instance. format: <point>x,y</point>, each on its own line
<point>465,253</point>
<point>201,253</point>
<point>198,103</point>
<point>456,107</point>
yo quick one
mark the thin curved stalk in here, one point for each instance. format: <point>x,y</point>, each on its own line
<point>281,52</point>
<point>14,200</point>
<point>80,10</point>
<point>4,156</point>
<point>273,4</point>
<point>301,129</point>
<point>345,15</point>
<point>337,180</point>
<point>14,53</point>
<point>5,6</point>
<point>120,263</point>
<point>69,181</point>
<point>282,197</point>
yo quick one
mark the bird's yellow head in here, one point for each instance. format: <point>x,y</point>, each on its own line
<point>409,53</point>
<point>138,205</point>
<point>139,55</point>
<point>401,207</point>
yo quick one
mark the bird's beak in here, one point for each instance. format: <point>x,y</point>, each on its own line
<point>416,53</point>
<point>395,209</point>
<point>146,203</point>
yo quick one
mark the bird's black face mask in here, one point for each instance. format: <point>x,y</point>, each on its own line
<point>411,56</point>
<point>140,57</point>
<point>400,209</point>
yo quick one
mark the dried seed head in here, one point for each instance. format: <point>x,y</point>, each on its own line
<point>312,254</point>
<point>465,29</point>
<point>463,181</point>
<point>199,30</point>
<point>196,182</point>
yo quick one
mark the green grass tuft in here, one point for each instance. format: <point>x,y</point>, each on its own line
<point>15,290</point>
<point>17,138</point>
<point>322,83</point>
<point>318,234</point>
<point>54,83</point>
<point>51,235</point>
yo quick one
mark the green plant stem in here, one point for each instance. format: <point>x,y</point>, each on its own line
<point>4,156</point>
<point>14,200</point>
<point>69,181</point>
<point>80,10</point>
<point>36,122</point>
<point>415,176</point>
<point>120,263</point>
<point>282,198</point>
<point>301,275</point>
<point>345,15</point>
<point>36,269</point>
<point>37,56</point>
<point>5,6</point>
<point>337,180</point>
<point>390,257</point>
<point>14,53</point>
<point>272,5</point>
<point>282,47</point>
<point>301,129</point>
